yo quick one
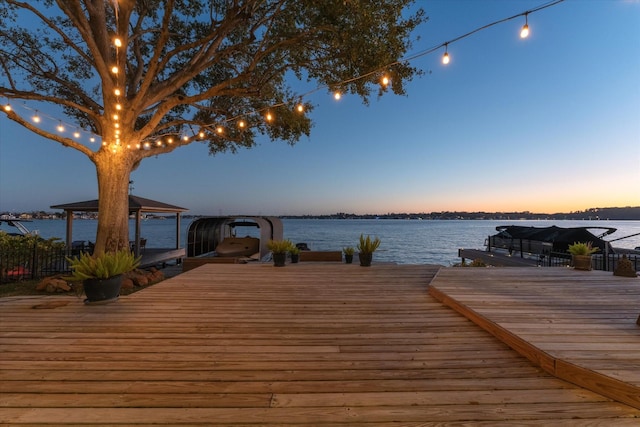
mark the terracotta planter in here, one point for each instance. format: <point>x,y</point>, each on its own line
<point>365,258</point>
<point>279,259</point>
<point>102,291</point>
<point>581,262</point>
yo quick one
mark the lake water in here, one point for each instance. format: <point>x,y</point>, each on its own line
<point>403,241</point>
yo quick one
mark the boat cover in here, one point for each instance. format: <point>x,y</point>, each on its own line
<point>560,237</point>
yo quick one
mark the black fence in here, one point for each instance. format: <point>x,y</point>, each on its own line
<point>35,263</point>
<point>598,261</point>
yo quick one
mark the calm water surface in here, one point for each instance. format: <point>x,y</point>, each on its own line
<point>403,241</point>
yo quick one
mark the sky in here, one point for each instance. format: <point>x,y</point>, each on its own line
<point>546,124</point>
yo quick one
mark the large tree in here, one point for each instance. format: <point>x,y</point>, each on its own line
<point>149,76</point>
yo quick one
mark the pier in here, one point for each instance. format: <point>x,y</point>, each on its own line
<point>330,344</point>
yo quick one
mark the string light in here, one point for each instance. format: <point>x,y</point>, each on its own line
<point>445,57</point>
<point>300,106</point>
<point>524,33</point>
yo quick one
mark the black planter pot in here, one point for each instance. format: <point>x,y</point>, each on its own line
<point>295,258</point>
<point>102,291</point>
<point>365,258</point>
<point>348,258</point>
<point>279,259</point>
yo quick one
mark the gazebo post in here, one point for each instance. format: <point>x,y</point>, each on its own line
<point>69,227</point>
<point>137,235</point>
<point>178,230</point>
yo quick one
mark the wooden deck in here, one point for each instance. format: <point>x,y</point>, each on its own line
<point>309,344</point>
<point>577,325</point>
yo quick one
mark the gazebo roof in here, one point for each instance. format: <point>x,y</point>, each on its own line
<point>136,204</point>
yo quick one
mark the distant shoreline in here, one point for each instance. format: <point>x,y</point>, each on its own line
<point>594,214</point>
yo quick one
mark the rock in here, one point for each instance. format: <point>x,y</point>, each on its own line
<point>53,284</point>
<point>127,283</point>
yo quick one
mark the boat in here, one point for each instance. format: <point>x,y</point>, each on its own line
<point>544,240</point>
<point>515,245</point>
<point>238,246</point>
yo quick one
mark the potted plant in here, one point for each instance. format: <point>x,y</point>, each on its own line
<point>101,275</point>
<point>294,251</point>
<point>581,255</point>
<point>366,247</point>
<point>279,249</point>
<point>348,254</point>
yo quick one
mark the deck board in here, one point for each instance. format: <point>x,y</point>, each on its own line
<point>578,325</point>
<point>309,344</point>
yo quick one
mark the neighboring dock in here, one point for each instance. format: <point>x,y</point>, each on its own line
<point>317,344</point>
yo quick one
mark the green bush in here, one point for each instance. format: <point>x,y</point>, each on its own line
<point>280,246</point>
<point>582,248</point>
<point>367,244</point>
<point>104,266</point>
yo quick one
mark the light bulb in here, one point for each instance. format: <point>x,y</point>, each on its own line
<point>92,139</point>
<point>385,81</point>
<point>36,118</point>
<point>76,134</point>
<point>117,92</point>
<point>7,107</point>
<point>115,117</point>
<point>60,128</point>
<point>337,95</point>
<point>170,140</point>
<point>114,69</point>
<point>185,138</point>
<point>445,58</point>
<point>268,117</point>
<point>117,42</point>
<point>220,129</point>
<point>300,108</point>
<point>118,107</point>
<point>524,33</point>
<point>201,134</point>
<point>241,124</point>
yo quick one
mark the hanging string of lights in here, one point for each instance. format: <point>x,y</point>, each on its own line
<point>268,112</point>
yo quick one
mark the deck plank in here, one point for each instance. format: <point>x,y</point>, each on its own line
<point>309,344</point>
<point>579,326</point>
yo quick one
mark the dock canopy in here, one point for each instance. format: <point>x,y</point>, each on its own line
<point>137,206</point>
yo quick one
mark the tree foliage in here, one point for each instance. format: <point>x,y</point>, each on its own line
<point>194,70</point>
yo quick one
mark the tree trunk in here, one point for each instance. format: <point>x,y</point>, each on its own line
<point>113,171</point>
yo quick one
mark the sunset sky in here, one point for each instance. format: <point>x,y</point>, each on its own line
<point>548,124</point>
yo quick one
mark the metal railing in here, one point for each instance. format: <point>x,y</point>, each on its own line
<point>598,261</point>
<point>35,263</point>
